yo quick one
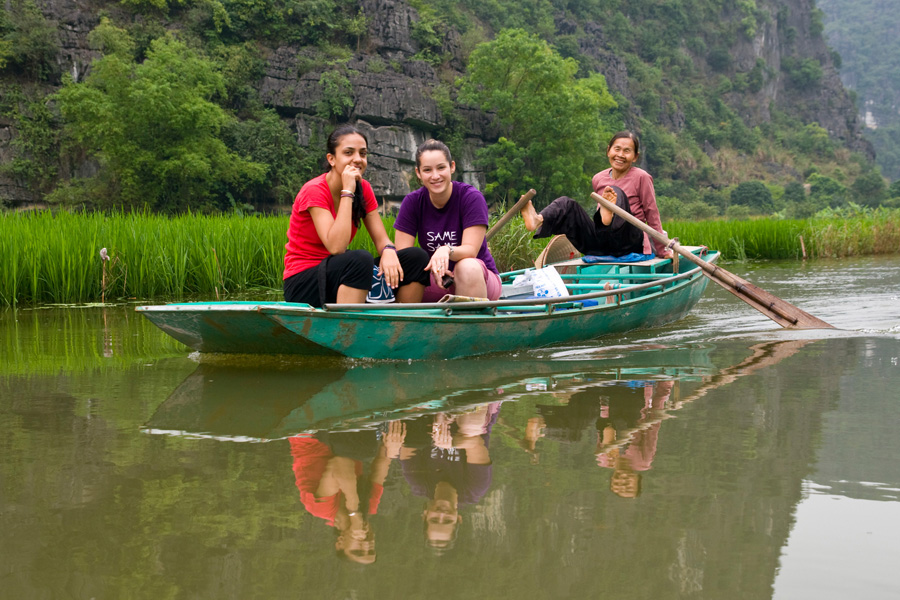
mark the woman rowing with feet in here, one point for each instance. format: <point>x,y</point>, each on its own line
<point>450,219</point>
<point>629,187</point>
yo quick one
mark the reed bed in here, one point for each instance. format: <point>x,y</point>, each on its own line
<point>878,233</point>
<point>55,257</point>
<point>50,342</point>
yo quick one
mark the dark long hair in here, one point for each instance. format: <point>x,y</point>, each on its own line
<point>359,205</point>
<point>623,134</point>
<point>432,144</point>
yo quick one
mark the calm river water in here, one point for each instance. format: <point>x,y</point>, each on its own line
<point>718,457</point>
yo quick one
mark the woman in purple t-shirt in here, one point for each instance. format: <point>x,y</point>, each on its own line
<point>450,219</point>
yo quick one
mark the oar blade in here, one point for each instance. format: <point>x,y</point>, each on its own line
<point>782,312</point>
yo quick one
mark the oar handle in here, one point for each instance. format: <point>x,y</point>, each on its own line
<point>715,272</point>
<point>783,313</point>
<point>525,199</point>
<point>659,237</point>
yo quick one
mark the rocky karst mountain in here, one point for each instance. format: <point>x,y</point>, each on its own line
<point>778,62</point>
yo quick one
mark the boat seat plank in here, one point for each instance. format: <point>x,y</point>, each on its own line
<point>653,262</point>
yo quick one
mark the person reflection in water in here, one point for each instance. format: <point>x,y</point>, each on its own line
<point>452,469</point>
<point>328,476</point>
<point>627,434</point>
<point>627,419</point>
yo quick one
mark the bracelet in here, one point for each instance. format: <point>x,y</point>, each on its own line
<point>449,251</point>
<point>343,195</point>
<point>391,246</point>
<point>346,192</point>
<point>350,514</point>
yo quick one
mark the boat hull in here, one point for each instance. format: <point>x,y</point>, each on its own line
<point>427,332</point>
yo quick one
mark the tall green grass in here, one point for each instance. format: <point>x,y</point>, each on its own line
<point>53,341</point>
<point>781,239</point>
<point>55,257</point>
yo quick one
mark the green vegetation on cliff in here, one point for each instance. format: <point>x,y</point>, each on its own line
<point>170,116</point>
<point>866,33</point>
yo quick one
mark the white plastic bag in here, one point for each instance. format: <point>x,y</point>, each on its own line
<point>524,279</point>
<point>548,283</point>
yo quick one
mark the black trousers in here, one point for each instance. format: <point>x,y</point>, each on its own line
<point>352,268</point>
<point>589,235</point>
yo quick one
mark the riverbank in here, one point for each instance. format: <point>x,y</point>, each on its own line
<point>56,257</point>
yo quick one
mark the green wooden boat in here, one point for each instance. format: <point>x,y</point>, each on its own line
<point>605,298</point>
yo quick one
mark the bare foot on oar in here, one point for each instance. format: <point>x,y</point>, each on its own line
<point>532,218</point>
<point>609,299</point>
<point>606,215</point>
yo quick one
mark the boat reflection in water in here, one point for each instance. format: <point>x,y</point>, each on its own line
<point>347,423</point>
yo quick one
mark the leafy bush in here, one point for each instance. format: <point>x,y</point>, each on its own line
<point>36,142</point>
<point>825,190</point>
<point>266,140</point>
<point>155,128</point>
<point>802,73</point>
<point>803,210</point>
<point>719,59</point>
<point>869,188</point>
<point>28,42</point>
<point>754,195</point>
<point>737,213</point>
<point>337,92</point>
<point>670,208</point>
<point>794,192</point>
<point>894,189</point>
<point>550,121</point>
<point>698,211</point>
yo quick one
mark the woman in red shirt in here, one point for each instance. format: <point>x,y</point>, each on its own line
<point>327,212</point>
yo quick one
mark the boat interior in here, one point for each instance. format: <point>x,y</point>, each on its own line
<point>586,275</point>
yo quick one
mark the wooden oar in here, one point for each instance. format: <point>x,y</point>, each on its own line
<point>784,313</point>
<point>517,207</point>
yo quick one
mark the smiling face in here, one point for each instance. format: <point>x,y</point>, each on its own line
<point>441,521</point>
<point>435,170</point>
<point>626,484</point>
<point>351,149</point>
<point>621,154</point>
<point>357,546</point>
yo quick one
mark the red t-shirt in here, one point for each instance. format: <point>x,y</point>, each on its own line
<point>304,248</point>
<point>310,459</point>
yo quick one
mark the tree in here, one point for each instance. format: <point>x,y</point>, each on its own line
<point>826,191</point>
<point>155,128</point>
<point>28,42</point>
<point>794,192</point>
<point>754,195</point>
<point>869,188</point>
<point>553,126</point>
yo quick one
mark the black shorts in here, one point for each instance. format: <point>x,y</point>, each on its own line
<point>352,268</point>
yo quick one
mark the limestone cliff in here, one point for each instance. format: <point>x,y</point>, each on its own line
<point>392,92</point>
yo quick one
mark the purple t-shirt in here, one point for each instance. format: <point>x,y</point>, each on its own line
<point>435,227</point>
